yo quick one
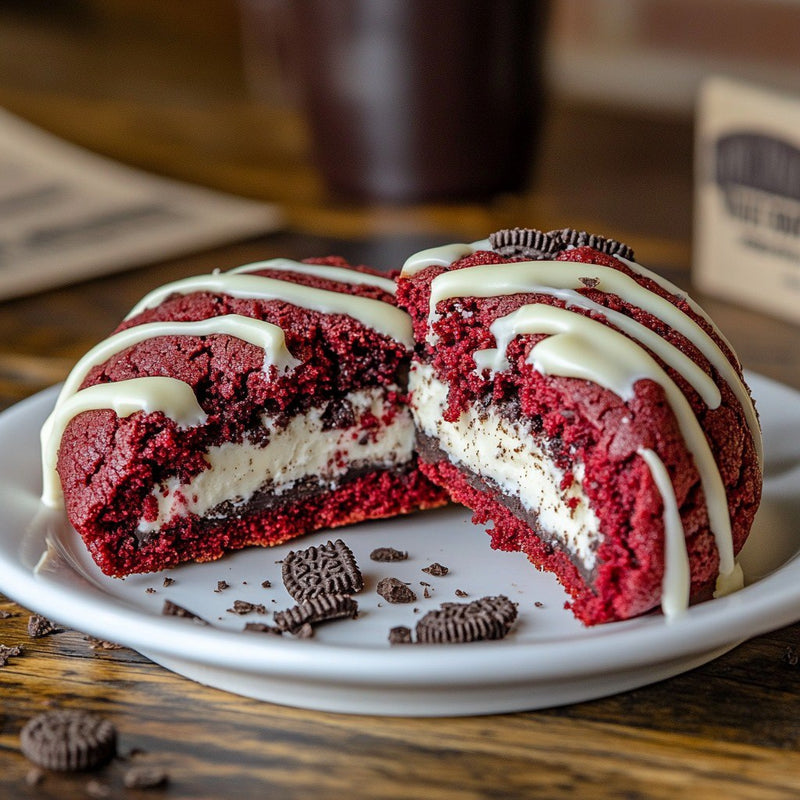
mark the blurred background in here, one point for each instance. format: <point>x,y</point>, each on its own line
<point>211,92</point>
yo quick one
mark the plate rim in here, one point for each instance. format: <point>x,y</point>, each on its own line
<point>757,609</point>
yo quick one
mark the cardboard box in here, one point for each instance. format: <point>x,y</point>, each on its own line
<point>747,197</point>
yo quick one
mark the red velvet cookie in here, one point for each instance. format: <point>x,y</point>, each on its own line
<point>235,409</point>
<point>587,410</point>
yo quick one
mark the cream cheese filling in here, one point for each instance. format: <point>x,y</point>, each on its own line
<point>303,449</point>
<point>502,451</point>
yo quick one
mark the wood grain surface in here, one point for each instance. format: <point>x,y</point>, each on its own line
<point>125,78</point>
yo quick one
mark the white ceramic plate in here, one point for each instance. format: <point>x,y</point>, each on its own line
<point>548,659</point>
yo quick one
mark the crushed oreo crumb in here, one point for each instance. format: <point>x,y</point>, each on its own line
<point>222,586</point>
<point>9,652</point>
<point>39,626</point>
<point>426,592</point>
<point>456,623</point>
<point>539,604</point>
<point>243,607</point>
<point>388,554</point>
<point>393,590</point>
<point>436,569</point>
<point>150,590</point>
<point>325,569</point>
<point>68,740</point>
<point>144,777</point>
<point>400,635</point>
<point>266,584</point>
<point>102,644</point>
<point>168,582</point>
<point>262,627</point>
<point>171,609</point>
<point>316,609</point>
<point>461,593</point>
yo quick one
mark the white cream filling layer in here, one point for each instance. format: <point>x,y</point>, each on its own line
<point>303,449</point>
<point>501,451</point>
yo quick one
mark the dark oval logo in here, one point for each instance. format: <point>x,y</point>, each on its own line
<point>759,162</point>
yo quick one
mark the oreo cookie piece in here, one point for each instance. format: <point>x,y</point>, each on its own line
<point>388,554</point>
<point>456,623</point>
<point>170,609</point>
<point>68,740</point>
<point>538,245</point>
<point>315,609</point>
<point>6,653</point>
<point>39,626</point>
<point>525,242</point>
<point>393,590</point>
<point>574,238</point>
<point>327,569</point>
<point>400,635</point>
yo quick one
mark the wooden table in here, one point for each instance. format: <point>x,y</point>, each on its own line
<point>729,729</point>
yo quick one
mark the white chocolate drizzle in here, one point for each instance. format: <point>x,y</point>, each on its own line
<point>491,280</point>
<point>442,256</point>
<point>157,393</point>
<point>679,361</point>
<point>676,583</point>
<point>581,347</point>
<point>263,334</point>
<point>341,274</point>
<point>154,393</point>
<point>376,314</point>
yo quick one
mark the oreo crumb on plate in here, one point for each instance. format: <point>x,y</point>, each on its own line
<point>393,590</point>
<point>317,609</point>
<point>457,623</point>
<point>319,570</point>
<point>436,569</point>
<point>461,593</point>
<point>168,582</point>
<point>388,554</point>
<point>39,626</point>
<point>262,627</point>
<point>266,584</point>
<point>145,777</point>
<point>222,585</point>
<point>400,635</point>
<point>242,607</point>
<point>305,631</point>
<point>170,609</point>
<point>68,740</point>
